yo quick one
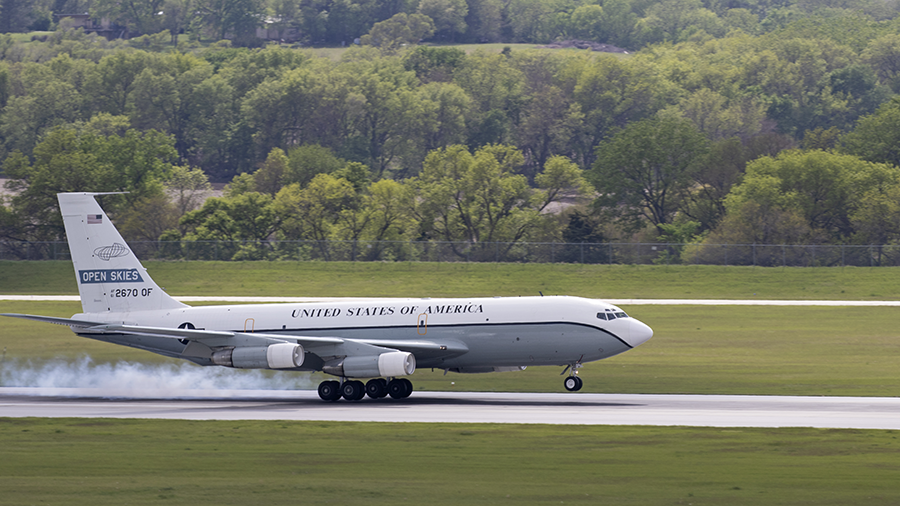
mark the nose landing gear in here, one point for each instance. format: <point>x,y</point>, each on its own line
<point>573,383</point>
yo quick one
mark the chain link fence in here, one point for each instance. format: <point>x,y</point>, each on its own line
<point>766,255</point>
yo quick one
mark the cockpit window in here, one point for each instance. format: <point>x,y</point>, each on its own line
<point>611,315</point>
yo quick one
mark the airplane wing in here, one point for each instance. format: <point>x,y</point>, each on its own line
<point>209,339</point>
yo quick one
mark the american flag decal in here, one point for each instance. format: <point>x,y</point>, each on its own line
<point>94,219</point>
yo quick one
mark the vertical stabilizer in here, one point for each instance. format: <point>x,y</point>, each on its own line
<point>110,277</point>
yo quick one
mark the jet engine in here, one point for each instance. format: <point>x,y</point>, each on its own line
<point>274,356</point>
<point>395,363</point>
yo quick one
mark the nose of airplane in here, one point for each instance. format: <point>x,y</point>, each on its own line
<point>639,333</point>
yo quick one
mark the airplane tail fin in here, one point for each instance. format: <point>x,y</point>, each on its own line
<point>110,277</point>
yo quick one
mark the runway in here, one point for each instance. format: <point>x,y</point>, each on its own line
<point>461,407</point>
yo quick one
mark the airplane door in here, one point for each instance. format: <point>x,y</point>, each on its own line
<point>422,324</point>
<point>249,323</point>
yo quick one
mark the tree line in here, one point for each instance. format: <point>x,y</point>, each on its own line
<point>786,135</point>
<point>630,24</point>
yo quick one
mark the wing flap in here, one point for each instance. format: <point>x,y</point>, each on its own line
<point>448,348</point>
<point>216,338</point>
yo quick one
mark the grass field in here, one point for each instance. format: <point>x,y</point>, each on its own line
<point>422,279</point>
<point>113,462</point>
<point>696,349</point>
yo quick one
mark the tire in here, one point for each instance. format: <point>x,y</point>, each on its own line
<point>376,388</point>
<point>409,387</point>
<point>399,388</point>
<point>329,390</point>
<point>353,390</point>
<point>573,383</point>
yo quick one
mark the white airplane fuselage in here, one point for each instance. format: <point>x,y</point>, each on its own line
<point>498,332</point>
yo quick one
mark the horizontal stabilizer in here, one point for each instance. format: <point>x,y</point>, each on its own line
<point>52,319</point>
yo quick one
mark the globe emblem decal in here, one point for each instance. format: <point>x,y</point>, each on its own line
<point>114,251</point>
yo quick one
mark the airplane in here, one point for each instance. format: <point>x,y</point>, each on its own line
<point>382,340</point>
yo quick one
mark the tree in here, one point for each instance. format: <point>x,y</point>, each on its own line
<point>476,200</point>
<point>280,110</point>
<point>235,18</point>
<point>434,63</point>
<point>883,55</point>
<point>386,125</point>
<point>676,20</point>
<point>188,187</point>
<point>560,174</point>
<point>307,161</point>
<point>243,221</point>
<point>400,30</point>
<point>270,177</point>
<point>548,126</point>
<point>611,93</point>
<point>48,102</point>
<point>14,15</point>
<point>165,97</point>
<point>141,17</point>
<point>620,23</point>
<point>68,160</point>
<point>313,212</point>
<point>644,172</point>
<point>445,108</point>
<point>448,16</point>
<point>484,21</point>
<point>821,191</point>
<point>877,137</point>
<point>495,87</point>
<point>713,115</point>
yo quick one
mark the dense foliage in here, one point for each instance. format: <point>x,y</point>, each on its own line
<point>721,117</point>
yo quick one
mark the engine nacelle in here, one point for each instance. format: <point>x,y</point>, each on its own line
<point>274,356</point>
<point>395,363</point>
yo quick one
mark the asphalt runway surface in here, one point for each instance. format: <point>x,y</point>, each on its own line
<point>461,407</point>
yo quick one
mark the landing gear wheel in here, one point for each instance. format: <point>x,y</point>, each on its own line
<point>377,388</point>
<point>353,390</point>
<point>409,387</point>
<point>400,388</point>
<point>573,383</point>
<point>330,390</point>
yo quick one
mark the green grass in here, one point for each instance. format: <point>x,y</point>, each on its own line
<point>335,53</point>
<point>98,462</point>
<point>341,279</point>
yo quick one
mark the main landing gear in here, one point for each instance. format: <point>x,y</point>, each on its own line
<point>354,390</point>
